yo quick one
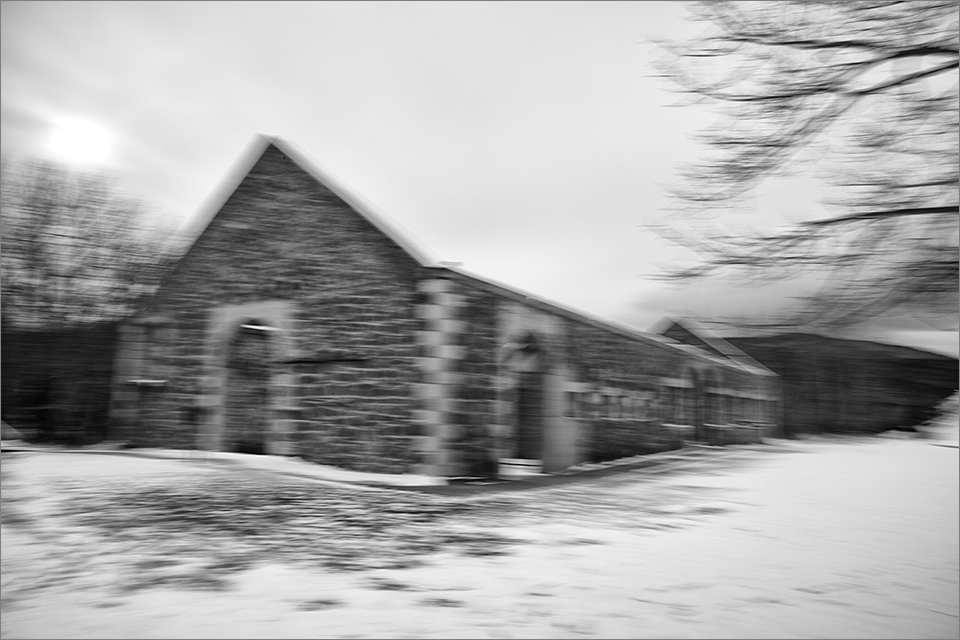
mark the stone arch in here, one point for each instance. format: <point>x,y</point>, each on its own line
<point>248,390</point>
<point>248,345</point>
<point>525,361</point>
<point>531,402</point>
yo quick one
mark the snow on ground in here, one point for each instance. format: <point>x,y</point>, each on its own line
<point>822,538</point>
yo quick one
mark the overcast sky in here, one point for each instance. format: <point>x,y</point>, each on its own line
<point>530,141</point>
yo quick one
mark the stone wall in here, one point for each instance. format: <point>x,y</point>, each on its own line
<point>603,388</point>
<point>475,406</point>
<point>619,404</point>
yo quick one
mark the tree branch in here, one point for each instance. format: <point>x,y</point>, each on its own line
<point>876,215</point>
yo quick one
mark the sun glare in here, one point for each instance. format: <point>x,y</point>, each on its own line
<point>79,141</point>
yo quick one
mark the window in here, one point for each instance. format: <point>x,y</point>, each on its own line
<point>573,404</point>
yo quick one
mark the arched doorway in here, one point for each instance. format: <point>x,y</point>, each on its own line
<point>247,395</point>
<point>530,400</point>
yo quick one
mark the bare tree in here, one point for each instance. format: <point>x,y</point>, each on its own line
<point>74,248</point>
<point>865,90</point>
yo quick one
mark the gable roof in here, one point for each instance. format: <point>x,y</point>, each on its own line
<point>693,333</point>
<point>367,210</point>
<point>260,146</point>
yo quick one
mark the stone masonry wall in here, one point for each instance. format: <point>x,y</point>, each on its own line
<point>611,384</point>
<point>475,409</point>
<point>619,410</point>
<point>437,355</point>
<point>458,368</point>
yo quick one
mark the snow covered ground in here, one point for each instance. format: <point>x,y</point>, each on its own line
<point>821,538</point>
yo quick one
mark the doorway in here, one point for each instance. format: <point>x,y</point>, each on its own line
<point>530,405</point>
<point>530,415</point>
<point>247,396</point>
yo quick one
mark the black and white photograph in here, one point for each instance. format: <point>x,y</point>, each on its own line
<point>480,319</point>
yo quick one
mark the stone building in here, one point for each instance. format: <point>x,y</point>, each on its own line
<point>300,322</point>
